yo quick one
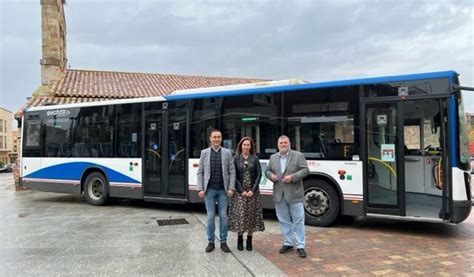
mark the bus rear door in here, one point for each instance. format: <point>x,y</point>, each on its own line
<point>165,153</point>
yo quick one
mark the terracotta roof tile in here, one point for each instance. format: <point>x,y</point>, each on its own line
<point>106,84</point>
<point>78,86</point>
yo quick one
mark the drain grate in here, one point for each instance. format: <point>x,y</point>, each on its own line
<point>177,221</point>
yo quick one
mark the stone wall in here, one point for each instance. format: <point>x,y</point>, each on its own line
<point>53,32</point>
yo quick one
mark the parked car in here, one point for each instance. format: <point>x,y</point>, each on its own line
<point>6,168</point>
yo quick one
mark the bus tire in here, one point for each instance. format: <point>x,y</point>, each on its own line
<point>321,203</point>
<point>96,189</point>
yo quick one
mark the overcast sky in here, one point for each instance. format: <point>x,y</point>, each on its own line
<point>310,40</point>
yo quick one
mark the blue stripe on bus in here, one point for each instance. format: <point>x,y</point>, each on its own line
<point>452,130</point>
<point>287,88</point>
<point>74,170</point>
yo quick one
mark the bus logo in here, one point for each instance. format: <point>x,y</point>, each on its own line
<point>58,113</point>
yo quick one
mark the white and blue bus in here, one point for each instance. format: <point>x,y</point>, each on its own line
<point>391,147</point>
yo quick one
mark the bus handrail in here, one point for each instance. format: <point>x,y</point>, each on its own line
<point>154,152</point>
<point>177,153</point>
<point>385,164</point>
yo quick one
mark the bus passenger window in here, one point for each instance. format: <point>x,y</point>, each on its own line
<point>321,123</point>
<point>58,129</point>
<point>128,130</point>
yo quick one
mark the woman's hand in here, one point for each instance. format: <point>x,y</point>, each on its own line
<point>249,194</point>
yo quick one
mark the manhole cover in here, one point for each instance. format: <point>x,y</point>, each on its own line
<point>177,221</point>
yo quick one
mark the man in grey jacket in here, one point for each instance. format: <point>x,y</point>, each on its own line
<point>216,181</point>
<point>286,169</point>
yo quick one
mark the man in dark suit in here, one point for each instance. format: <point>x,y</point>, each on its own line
<point>286,169</point>
<point>216,181</point>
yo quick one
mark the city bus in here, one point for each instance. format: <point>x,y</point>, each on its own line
<point>390,147</point>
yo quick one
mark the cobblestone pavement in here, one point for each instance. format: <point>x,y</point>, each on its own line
<point>370,247</point>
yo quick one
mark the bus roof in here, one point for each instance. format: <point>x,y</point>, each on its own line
<point>275,87</point>
<point>267,84</point>
<point>341,83</point>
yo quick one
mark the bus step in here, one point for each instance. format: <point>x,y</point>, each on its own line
<point>165,199</point>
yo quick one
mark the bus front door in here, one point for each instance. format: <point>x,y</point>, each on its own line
<point>176,156</point>
<point>153,154</point>
<point>383,184</point>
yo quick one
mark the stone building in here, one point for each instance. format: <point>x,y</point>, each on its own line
<point>6,143</point>
<point>14,152</point>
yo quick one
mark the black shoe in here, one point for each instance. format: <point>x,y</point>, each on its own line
<point>210,247</point>
<point>249,243</point>
<point>286,249</point>
<point>301,253</point>
<point>240,243</point>
<point>225,248</point>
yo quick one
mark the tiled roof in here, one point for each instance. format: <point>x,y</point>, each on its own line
<point>100,84</point>
<point>87,85</point>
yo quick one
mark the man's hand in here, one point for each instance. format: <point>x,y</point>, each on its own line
<point>274,178</point>
<point>287,179</point>
<point>201,194</point>
<point>230,193</point>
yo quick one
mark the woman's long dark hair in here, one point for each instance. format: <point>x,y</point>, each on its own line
<point>239,146</point>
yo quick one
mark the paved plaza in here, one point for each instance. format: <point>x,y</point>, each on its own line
<point>369,247</point>
<point>53,234</point>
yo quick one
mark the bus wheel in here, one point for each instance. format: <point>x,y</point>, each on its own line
<point>321,203</point>
<point>96,189</point>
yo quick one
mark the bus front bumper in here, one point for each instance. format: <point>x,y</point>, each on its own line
<point>461,211</point>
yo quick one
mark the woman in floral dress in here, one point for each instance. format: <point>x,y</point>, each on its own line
<point>245,212</point>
